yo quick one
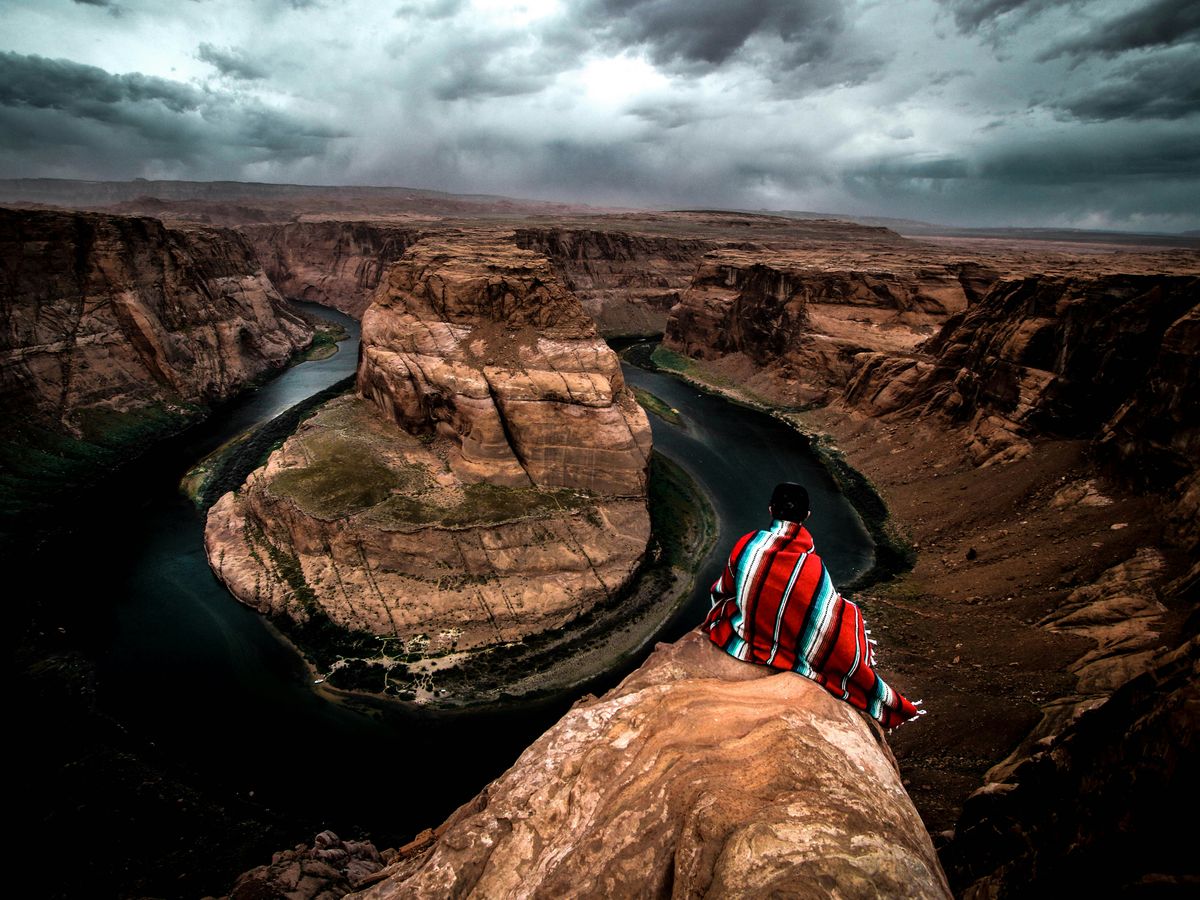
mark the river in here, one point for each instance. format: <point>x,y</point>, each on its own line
<point>181,664</point>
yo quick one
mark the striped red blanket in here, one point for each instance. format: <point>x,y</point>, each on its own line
<point>775,605</point>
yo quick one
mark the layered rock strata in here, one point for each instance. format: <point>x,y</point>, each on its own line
<point>333,263</point>
<point>626,281</point>
<point>803,322</point>
<point>488,483</point>
<point>112,313</point>
<point>477,341</point>
<point>1065,356</point>
<point>697,776</point>
<point>1045,597</point>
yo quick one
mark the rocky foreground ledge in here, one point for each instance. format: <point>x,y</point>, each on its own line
<point>696,776</point>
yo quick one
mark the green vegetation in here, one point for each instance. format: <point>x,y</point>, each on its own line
<point>482,504</point>
<point>683,528</point>
<point>41,465</point>
<point>344,476</point>
<point>655,406</point>
<point>670,360</point>
<point>692,369</point>
<point>226,468</point>
<point>326,337</point>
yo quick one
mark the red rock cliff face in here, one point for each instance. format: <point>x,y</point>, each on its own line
<point>1062,356</point>
<point>478,341</point>
<point>336,264</point>
<point>115,313</point>
<point>803,320</point>
<point>627,282</point>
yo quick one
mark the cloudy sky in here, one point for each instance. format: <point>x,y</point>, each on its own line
<point>997,112</point>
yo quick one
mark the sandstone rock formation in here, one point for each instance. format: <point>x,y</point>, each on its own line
<point>329,869</point>
<point>115,332</point>
<point>805,321</point>
<point>479,341</point>
<point>697,776</point>
<point>626,280</point>
<point>1061,356</point>
<point>488,484</point>
<point>333,263</point>
<point>112,313</point>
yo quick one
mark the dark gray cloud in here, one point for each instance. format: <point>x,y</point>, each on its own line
<point>114,9</point>
<point>704,34</point>
<point>1079,158</point>
<point>1085,113</point>
<point>85,90</point>
<point>72,110</point>
<point>1158,24</point>
<point>232,62</point>
<point>1074,178</point>
<point>491,65</point>
<point>971,15</point>
<point>432,10</point>
<point>1167,87</point>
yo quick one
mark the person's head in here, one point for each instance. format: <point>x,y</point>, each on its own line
<point>789,501</point>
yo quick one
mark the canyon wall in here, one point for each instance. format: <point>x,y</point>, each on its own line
<point>1109,356</point>
<point>488,483</point>
<point>626,281</point>
<point>793,323</point>
<point>333,263</point>
<point>115,331</point>
<point>115,313</point>
<point>697,776</point>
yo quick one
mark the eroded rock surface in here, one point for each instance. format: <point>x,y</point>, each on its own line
<point>489,482</point>
<point>802,320</point>
<point>627,281</point>
<point>333,263</point>
<point>478,341</point>
<point>697,776</point>
<point>1061,356</point>
<point>1091,811</point>
<point>108,313</point>
<point>357,521</point>
<point>329,869</point>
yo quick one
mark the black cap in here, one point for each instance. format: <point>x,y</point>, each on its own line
<point>789,501</point>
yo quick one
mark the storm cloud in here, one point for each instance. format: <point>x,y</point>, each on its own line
<point>66,111</point>
<point>1000,112</point>
<point>703,34</point>
<point>1164,23</point>
<point>234,63</point>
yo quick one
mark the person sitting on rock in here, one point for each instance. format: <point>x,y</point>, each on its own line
<point>775,605</point>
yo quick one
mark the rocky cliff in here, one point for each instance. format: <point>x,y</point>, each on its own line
<point>115,313</point>
<point>793,324</point>
<point>1090,810</point>
<point>489,482</point>
<point>1110,355</point>
<point>113,326</point>
<point>627,281</point>
<point>333,263</point>
<point>696,776</point>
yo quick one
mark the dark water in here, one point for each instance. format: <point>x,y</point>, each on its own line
<point>183,665</point>
<point>738,455</point>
